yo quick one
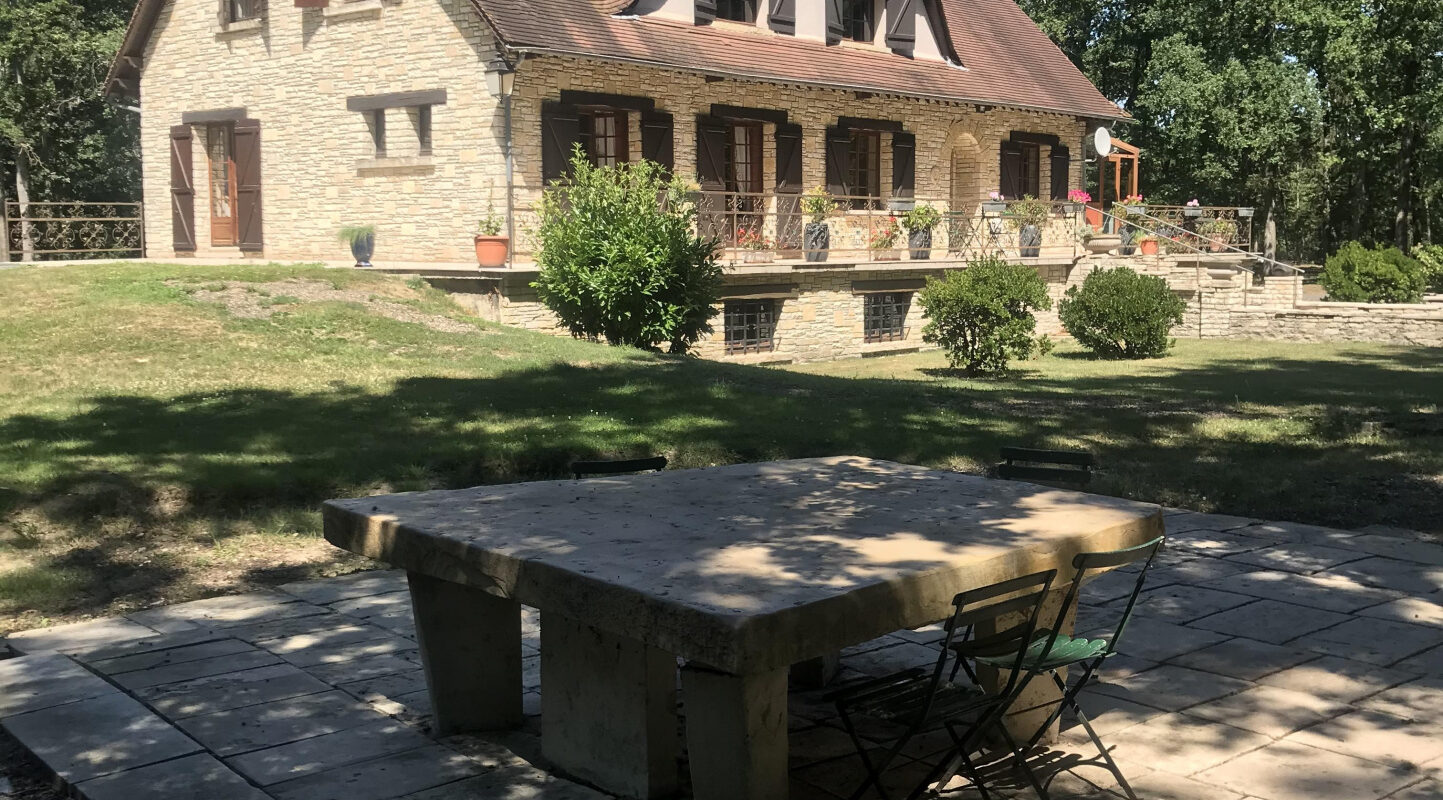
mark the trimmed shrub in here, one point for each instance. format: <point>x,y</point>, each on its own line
<point>1117,313</point>
<point>1356,274</point>
<point>982,316</point>
<point>1431,257</point>
<point>619,260</point>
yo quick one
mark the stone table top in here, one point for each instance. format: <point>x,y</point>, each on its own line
<point>745,567</point>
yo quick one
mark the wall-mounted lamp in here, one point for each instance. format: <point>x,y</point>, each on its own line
<point>500,77</point>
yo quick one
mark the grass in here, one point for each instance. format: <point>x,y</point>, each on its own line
<point>156,447</point>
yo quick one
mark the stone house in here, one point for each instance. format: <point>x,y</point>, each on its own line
<point>267,125</point>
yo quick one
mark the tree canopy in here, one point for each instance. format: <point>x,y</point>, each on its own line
<point>1328,116</point>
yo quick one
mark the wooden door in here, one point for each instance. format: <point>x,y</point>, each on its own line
<point>220,153</point>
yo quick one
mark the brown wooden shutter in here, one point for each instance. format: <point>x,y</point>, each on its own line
<point>782,17</point>
<point>705,11</point>
<point>1061,172</point>
<point>839,146</point>
<point>789,188</point>
<point>560,131</point>
<point>902,25</point>
<point>1010,171</point>
<point>182,189</point>
<point>656,138</point>
<point>834,21</point>
<point>711,173</point>
<point>248,185</point>
<point>904,164</point>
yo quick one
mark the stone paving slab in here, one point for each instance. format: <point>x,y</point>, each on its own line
<point>1183,603</point>
<point>369,667</point>
<point>32,683</point>
<point>1183,744</point>
<point>1303,558</point>
<point>99,736</point>
<point>1332,592</point>
<point>1375,641</point>
<point>1172,688</point>
<point>518,783</point>
<point>163,657</point>
<point>324,591</point>
<point>1417,610</point>
<point>231,690</point>
<point>327,751</point>
<point>224,612</point>
<point>301,644</point>
<point>1291,771</point>
<point>1269,710</point>
<point>382,778</point>
<point>1400,548</point>
<point>240,730</point>
<point>78,636</point>
<point>1244,659</point>
<point>1378,737</point>
<point>1416,700</point>
<point>1270,621</point>
<point>190,670</point>
<point>194,777</point>
<point>1390,573</point>
<point>1337,679</point>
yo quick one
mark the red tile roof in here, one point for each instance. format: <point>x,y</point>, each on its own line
<point>1006,59</point>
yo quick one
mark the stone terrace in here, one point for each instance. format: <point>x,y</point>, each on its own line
<point>1271,661</point>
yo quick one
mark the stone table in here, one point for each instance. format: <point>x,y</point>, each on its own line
<point>741,571</point>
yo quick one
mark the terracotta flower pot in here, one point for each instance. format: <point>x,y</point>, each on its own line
<point>491,251</point>
<point>1094,217</point>
<point>1149,247</point>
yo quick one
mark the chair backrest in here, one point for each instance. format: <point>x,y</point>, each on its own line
<point>1084,563</point>
<point>581,469</point>
<point>1054,466</point>
<point>996,603</point>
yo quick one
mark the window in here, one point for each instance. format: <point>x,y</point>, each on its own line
<point>220,162</point>
<point>857,20</point>
<point>1031,170</point>
<point>737,10</point>
<point>603,135</point>
<point>744,176</point>
<point>377,120</point>
<point>884,317</point>
<point>422,121</point>
<point>1021,170</point>
<point>864,169</point>
<point>245,9</point>
<point>749,325</point>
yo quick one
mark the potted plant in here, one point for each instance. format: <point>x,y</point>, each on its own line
<point>362,239</point>
<point>1028,215</point>
<point>1218,233</point>
<point>1192,209</point>
<point>1097,242</point>
<point>883,242</point>
<point>919,223</point>
<point>995,204</point>
<point>1122,211</point>
<point>754,245</point>
<point>817,203</point>
<point>491,247</point>
<point>1148,245</point>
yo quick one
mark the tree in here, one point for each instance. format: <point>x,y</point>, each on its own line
<point>982,316</point>
<point>60,139</point>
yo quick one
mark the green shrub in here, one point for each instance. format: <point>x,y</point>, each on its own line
<point>982,315</point>
<point>1356,274</point>
<point>1117,313</point>
<point>619,260</point>
<point>1431,257</point>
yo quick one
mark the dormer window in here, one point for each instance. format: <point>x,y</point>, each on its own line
<point>859,20</point>
<point>737,10</point>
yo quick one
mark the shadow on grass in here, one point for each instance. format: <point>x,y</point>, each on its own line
<point>1324,452</point>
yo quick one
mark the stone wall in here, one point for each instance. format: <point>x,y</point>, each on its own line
<point>1416,325</point>
<point>294,70</point>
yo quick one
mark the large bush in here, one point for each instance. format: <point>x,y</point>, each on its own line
<point>619,259</point>
<point>1117,313</point>
<point>1431,257</point>
<point>1356,274</point>
<point>982,315</point>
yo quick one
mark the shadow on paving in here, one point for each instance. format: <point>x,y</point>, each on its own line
<point>1368,448</point>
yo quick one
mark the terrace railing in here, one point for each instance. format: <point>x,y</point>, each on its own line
<point>45,231</point>
<point>1214,228</point>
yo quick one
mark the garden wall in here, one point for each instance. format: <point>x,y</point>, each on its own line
<point>1416,325</point>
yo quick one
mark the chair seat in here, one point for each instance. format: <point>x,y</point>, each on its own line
<point>1066,651</point>
<point>902,698</point>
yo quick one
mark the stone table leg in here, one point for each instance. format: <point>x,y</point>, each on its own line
<point>736,734</point>
<point>471,649</point>
<point>608,709</point>
<point>1041,696</point>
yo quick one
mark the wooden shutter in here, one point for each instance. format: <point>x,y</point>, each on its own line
<point>782,17</point>
<point>834,21</point>
<point>656,138</point>
<point>1061,172</point>
<point>904,164</point>
<point>560,131</point>
<point>902,25</point>
<point>705,11</point>
<point>711,173</point>
<point>1010,171</point>
<point>789,188</point>
<point>839,146</point>
<point>182,189</point>
<point>248,185</point>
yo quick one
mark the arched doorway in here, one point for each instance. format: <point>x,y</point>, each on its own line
<point>965,186</point>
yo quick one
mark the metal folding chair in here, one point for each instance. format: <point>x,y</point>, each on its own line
<point>581,469</point>
<point>923,701</point>
<point>1052,651</point>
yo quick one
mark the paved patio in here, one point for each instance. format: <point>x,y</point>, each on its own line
<point>1268,660</point>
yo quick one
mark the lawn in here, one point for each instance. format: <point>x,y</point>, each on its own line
<point>167,432</point>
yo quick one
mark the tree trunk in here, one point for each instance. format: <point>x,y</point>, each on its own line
<point>22,196</point>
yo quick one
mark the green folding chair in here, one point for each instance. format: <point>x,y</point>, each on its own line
<point>921,701</point>
<point>1052,651</point>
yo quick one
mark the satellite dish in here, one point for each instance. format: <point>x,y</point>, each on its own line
<point>1102,141</point>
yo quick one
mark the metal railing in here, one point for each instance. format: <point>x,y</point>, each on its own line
<point>1216,228</point>
<point>42,231</point>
